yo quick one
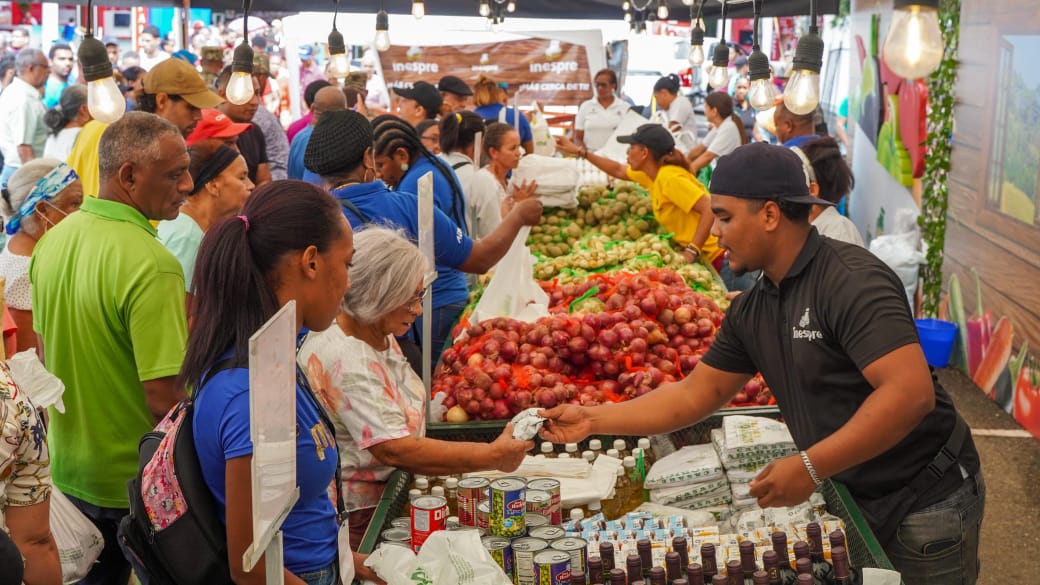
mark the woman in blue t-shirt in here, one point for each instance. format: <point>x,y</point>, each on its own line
<point>290,242</point>
<point>490,98</point>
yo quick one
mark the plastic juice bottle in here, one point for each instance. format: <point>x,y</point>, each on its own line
<point>635,479</point>
<point>621,447</point>
<point>571,449</point>
<point>547,450</point>
<point>596,446</point>
<point>451,493</point>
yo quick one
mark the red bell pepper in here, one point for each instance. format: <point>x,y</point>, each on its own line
<point>1027,397</point>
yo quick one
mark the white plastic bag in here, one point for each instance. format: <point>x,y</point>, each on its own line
<point>448,557</point>
<point>42,387</point>
<point>557,178</point>
<point>689,465</point>
<point>898,251</point>
<point>544,144</point>
<point>79,542</point>
<point>513,291</point>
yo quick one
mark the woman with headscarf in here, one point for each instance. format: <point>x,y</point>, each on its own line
<point>43,192</point>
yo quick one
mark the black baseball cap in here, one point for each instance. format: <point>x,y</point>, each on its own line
<point>455,85</point>
<point>763,171</point>
<point>428,96</point>
<point>653,136</point>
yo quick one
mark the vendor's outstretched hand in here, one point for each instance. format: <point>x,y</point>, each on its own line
<point>566,145</point>
<point>784,482</point>
<point>524,189</point>
<point>566,424</point>
<point>509,452</point>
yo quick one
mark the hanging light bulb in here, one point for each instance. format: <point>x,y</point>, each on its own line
<point>762,93</point>
<point>802,93</point>
<point>662,11</point>
<point>914,45</point>
<point>382,40</point>
<point>104,100</point>
<point>485,8</point>
<point>240,87</point>
<point>625,6</point>
<point>696,56</point>
<point>339,66</point>
<point>418,8</point>
<point>718,77</point>
<point>511,7</point>
<point>628,17</point>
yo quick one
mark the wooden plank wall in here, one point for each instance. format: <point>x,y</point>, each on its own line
<point>1005,252</point>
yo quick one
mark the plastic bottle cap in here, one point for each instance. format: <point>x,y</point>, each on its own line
<point>571,448</point>
<point>596,445</point>
<point>629,461</point>
<point>437,491</point>
<point>422,484</point>
<point>547,447</point>
<point>614,453</point>
<point>577,514</point>
<point>589,456</point>
<point>451,483</point>
<point>594,505</point>
<point>564,456</point>
<point>619,444</point>
<point>644,443</point>
<point>414,493</point>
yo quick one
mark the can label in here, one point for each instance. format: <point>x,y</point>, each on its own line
<point>471,491</point>
<point>552,567</point>
<point>501,549</point>
<point>548,533</point>
<point>524,550</point>
<point>508,507</point>
<point>428,516</point>
<point>482,515</point>
<point>539,502</point>
<point>577,548</point>
<point>552,487</point>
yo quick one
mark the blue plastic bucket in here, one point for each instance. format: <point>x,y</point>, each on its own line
<point>937,339</point>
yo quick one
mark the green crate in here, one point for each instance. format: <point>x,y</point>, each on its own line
<point>864,549</point>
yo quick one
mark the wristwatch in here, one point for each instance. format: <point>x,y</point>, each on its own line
<point>693,250</point>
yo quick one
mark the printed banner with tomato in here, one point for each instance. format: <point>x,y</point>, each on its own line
<point>550,71</point>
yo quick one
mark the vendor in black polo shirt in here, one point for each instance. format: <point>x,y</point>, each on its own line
<point>829,327</point>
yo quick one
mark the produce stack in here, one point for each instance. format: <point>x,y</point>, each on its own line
<point>746,445</point>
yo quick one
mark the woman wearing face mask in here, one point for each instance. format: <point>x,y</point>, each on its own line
<point>492,194</point>
<point>42,193</point>
<point>222,185</point>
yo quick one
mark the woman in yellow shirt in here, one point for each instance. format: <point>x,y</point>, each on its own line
<point>680,202</point>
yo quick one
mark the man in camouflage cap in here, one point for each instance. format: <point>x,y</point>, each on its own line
<point>212,62</point>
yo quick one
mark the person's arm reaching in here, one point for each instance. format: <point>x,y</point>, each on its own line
<point>903,395</point>
<point>700,235</point>
<point>489,250</point>
<point>31,533</point>
<point>432,457</point>
<point>669,407</point>
<point>701,160</point>
<point>611,167</point>
<point>161,394</point>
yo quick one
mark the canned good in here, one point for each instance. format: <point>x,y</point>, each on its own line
<point>501,549</point>
<point>482,515</point>
<point>471,492</point>
<point>428,516</point>
<point>552,487</point>
<point>539,502</point>
<point>536,521</point>
<point>402,522</point>
<point>395,534</point>
<point>400,544</point>
<point>548,533</point>
<point>508,508</point>
<point>524,550</point>
<point>577,548</point>
<point>452,523</point>
<point>552,567</point>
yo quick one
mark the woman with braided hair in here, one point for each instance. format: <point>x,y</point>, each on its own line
<point>401,159</point>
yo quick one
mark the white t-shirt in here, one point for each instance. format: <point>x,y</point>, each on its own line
<point>484,204</point>
<point>148,62</point>
<point>15,270</point>
<point>60,145</point>
<point>598,122</point>
<point>724,139</point>
<point>836,226</point>
<point>681,111</point>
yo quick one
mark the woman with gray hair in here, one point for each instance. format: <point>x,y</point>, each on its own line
<point>376,400</point>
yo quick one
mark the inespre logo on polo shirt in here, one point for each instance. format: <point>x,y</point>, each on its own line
<point>803,331</point>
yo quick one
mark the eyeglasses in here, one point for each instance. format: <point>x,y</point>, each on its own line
<point>417,300</point>
<point>430,138</point>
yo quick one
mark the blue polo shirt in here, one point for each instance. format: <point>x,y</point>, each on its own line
<point>451,201</point>
<point>221,427</point>
<point>451,245</point>
<point>490,112</point>
<point>296,152</point>
<point>799,140</point>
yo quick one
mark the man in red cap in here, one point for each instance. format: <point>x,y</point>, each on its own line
<point>215,125</point>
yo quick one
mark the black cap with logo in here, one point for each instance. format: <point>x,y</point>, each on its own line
<point>763,171</point>
<point>653,136</point>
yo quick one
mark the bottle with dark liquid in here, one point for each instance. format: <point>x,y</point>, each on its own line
<point>747,561</point>
<point>821,568</point>
<point>657,576</point>
<point>680,547</point>
<point>606,555</point>
<point>837,539</point>
<point>578,577</point>
<point>804,579</point>
<point>595,569</point>
<point>634,567</point>
<point>719,579</point>
<point>801,551</point>
<point>803,566</point>
<point>694,574</point>
<point>617,577</point>
<point>646,556</point>
<point>771,563</point>
<point>760,578</point>
<point>673,562</point>
<point>841,575</point>
<point>680,581</point>
<point>639,582</point>
<point>708,563</point>
<point>734,573</point>
<point>785,568</point>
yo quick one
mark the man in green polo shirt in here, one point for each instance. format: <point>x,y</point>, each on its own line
<point>108,304</point>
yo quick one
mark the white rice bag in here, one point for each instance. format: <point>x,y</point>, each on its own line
<point>675,494</point>
<point>691,464</point>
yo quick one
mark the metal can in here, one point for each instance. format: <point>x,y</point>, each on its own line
<point>539,502</point>
<point>508,508</point>
<point>552,567</point>
<point>501,549</point>
<point>548,533</point>
<point>524,550</point>
<point>577,548</point>
<point>395,534</point>
<point>471,492</point>
<point>428,516</point>
<point>535,521</point>
<point>482,515</point>
<point>552,486</point>
<point>402,522</point>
